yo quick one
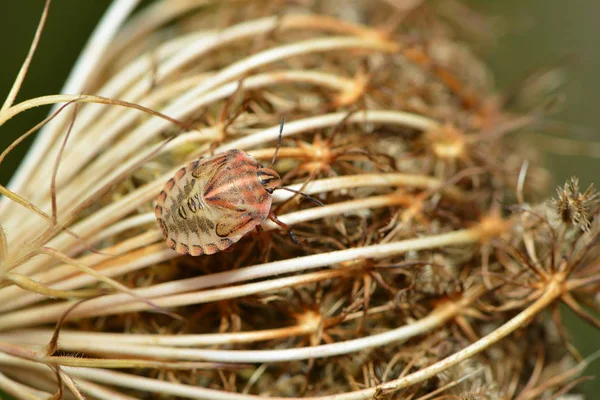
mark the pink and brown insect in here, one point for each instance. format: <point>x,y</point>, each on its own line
<point>210,204</point>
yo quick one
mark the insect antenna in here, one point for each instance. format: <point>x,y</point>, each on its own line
<point>278,141</point>
<point>307,197</point>
<point>317,202</point>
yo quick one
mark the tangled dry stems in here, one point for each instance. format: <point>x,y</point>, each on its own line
<point>424,276</point>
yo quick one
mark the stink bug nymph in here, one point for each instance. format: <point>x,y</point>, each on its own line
<point>211,203</point>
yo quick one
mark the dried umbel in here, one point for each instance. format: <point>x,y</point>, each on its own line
<point>425,274</point>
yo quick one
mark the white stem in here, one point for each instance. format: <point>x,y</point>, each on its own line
<point>107,304</point>
<point>14,297</point>
<point>552,292</point>
<point>436,319</point>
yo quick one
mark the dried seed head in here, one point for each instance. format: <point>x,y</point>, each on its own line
<point>576,208</point>
<point>396,126</point>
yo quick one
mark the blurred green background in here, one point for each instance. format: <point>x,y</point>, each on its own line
<point>535,33</point>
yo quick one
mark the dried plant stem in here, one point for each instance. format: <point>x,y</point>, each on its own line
<point>554,290</point>
<point>61,273</point>
<point>32,286</point>
<point>371,41</point>
<point>130,202</point>
<point>3,246</point>
<point>307,325</point>
<point>386,117</point>
<point>19,390</point>
<point>14,90</point>
<point>388,200</point>
<point>42,336</point>
<point>438,317</point>
<point>101,392</point>
<point>84,67</point>
<point>110,303</point>
<point>67,98</point>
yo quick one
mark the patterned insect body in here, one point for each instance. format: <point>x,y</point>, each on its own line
<point>211,203</point>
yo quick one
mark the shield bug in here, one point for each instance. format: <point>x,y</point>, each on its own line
<point>211,203</point>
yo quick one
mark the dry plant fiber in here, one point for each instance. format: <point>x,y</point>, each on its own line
<point>434,270</point>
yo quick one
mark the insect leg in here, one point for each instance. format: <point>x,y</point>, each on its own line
<point>285,226</point>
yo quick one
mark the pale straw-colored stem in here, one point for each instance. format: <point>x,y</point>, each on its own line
<point>14,90</point>
<point>233,35</point>
<point>106,134</point>
<point>15,297</point>
<point>119,209</point>
<point>438,317</point>
<point>553,291</point>
<point>386,117</point>
<point>41,337</point>
<point>82,71</point>
<point>101,392</point>
<point>109,303</point>
<point>305,326</point>
<point>21,391</point>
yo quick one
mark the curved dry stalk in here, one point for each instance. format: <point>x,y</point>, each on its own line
<point>19,390</point>
<point>137,198</point>
<point>101,392</point>
<point>14,90</point>
<point>437,318</point>
<point>110,304</point>
<point>553,291</point>
<point>305,326</point>
<point>32,336</point>
<point>84,67</point>
<point>31,286</point>
<point>3,246</point>
<point>388,117</point>
<point>14,299</point>
<point>234,34</point>
<point>130,202</point>
<point>122,254</point>
<point>116,363</point>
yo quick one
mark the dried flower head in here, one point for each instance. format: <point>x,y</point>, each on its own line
<point>576,208</point>
<point>411,281</point>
